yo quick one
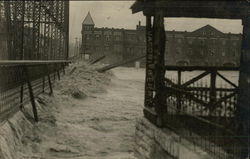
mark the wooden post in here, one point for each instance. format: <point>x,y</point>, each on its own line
<point>212,99</point>
<point>149,79</point>
<point>32,98</point>
<point>179,96</point>
<point>159,51</point>
<point>243,103</point>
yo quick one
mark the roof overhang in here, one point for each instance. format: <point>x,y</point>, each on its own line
<point>196,8</point>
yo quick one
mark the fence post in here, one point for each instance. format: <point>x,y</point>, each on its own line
<point>179,94</point>
<point>58,72</point>
<point>49,80</point>
<point>21,97</point>
<point>212,89</point>
<point>32,98</point>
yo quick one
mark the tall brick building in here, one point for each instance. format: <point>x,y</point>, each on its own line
<point>204,46</point>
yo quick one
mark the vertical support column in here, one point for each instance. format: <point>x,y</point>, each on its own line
<point>66,24</point>
<point>212,90</point>
<point>9,25</point>
<point>179,96</point>
<point>36,29</point>
<point>243,105</point>
<point>32,98</point>
<point>149,79</point>
<point>46,34</point>
<point>159,51</point>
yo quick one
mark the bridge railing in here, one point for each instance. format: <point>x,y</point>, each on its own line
<point>34,46</point>
<point>201,105</point>
<point>22,81</point>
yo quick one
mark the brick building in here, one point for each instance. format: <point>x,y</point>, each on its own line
<point>204,46</point>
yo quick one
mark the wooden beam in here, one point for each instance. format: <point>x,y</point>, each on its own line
<point>243,106</point>
<point>228,81</point>
<point>195,9</point>
<point>195,79</point>
<point>159,51</point>
<point>200,68</point>
<point>149,78</point>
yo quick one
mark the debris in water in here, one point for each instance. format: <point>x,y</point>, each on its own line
<point>77,94</point>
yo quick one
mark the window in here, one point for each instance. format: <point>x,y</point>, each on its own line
<point>143,51</point>
<point>87,37</point>
<point>235,53</point>
<point>223,53</point>
<point>107,38</point>
<point>212,51</point>
<point>118,48</point>
<point>234,43</point>
<point>107,48</point>
<point>202,52</point>
<point>202,41</point>
<point>97,37</point>
<point>190,51</point>
<point>140,38</point>
<point>190,41</point>
<point>132,37</point>
<point>129,50</point>
<point>87,47</point>
<point>117,38</point>
<point>178,51</point>
<point>179,41</point>
<point>98,48</point>
<point>223,42</point>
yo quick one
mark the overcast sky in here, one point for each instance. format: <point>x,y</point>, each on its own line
<point>117,14</point>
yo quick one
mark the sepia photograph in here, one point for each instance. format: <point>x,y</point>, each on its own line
<point>117,79</point>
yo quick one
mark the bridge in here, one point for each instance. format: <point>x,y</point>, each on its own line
<point>36,37</point>
<point>214,117</point>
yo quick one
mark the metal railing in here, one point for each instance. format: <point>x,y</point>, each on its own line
<point>21,82</point>
<point>33,49</point>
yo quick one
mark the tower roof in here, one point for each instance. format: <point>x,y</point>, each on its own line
<point>88,20</point>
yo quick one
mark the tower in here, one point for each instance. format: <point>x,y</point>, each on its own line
<point>88,23</point>
<point>87,28</point>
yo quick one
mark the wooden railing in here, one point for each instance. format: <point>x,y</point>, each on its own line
<point>201,105</point>
<point>205,107</point>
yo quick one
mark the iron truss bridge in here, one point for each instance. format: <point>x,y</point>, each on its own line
<point>34,37</point>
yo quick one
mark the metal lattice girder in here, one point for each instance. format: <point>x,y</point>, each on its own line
<point>37,30</point>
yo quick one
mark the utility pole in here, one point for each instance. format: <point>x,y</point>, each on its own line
<point>76,48</point>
